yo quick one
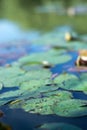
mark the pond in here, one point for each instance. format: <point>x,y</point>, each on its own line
<point>39,81</point>
<point>41,88</point>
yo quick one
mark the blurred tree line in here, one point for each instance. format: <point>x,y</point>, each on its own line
<point>23,11</point>
<point>28,4</point>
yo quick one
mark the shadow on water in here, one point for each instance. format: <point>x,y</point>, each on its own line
<point>21,120</point>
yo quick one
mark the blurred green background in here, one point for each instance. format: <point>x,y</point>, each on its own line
<point>46,14</point>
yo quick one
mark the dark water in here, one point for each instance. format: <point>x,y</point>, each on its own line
<point>20,120</point>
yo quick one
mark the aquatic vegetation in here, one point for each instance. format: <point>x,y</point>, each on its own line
<point>1,85</point>
<point>52,57</point>
<point>38,91</point>
<point>30,83</point>
<point>72,82</point>
<point>71,108</point>
<point>42,105</point>
<point>57,126</point>
<point>9,78</point>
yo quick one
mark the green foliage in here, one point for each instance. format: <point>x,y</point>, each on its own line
<point>71,108</point>
<point>71,82</point>
<point>28,17</point>
<point>42,105</point>
<point>52,57</point>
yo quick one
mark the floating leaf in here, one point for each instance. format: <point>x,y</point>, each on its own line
<point>14,76</point>
<point>71,108</point>
<point>58,126</point>
<point>71,82</point>
<point>1,85</point>
<point>10,75</point>
<point>42,105</point>
<point>52,57</point>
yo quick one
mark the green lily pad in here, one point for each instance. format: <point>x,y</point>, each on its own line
<point>52,57</point>
<point>33,85</point>
<point>10,94</point>
<point>29,67</point>
<point>57,39</point>
<point>42,105</point>
<point>25,81</point>
<point>72,82</point>
<point>1,85</point>
<point>71,108</point>
<point>8,76</point>
<point>14,76</point>
<point>4,101</point>
<point>9,72</point>
<point>58,126</point>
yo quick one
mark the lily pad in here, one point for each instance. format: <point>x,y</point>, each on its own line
<point>72,82</point>
<point>25,82</point>
<point>14,76</point>
<point>10,75</point>
<point>71,108</point>
<point>52,57</point>
<point>1,85</point>
<point>58,126</point>
<point>42,105</point>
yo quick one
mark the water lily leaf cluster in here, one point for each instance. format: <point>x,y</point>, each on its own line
<point>27,84</point>
<point>35,91</point>
<point>58,40</point>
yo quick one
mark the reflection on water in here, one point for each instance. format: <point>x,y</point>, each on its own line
<point>10,31</point>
